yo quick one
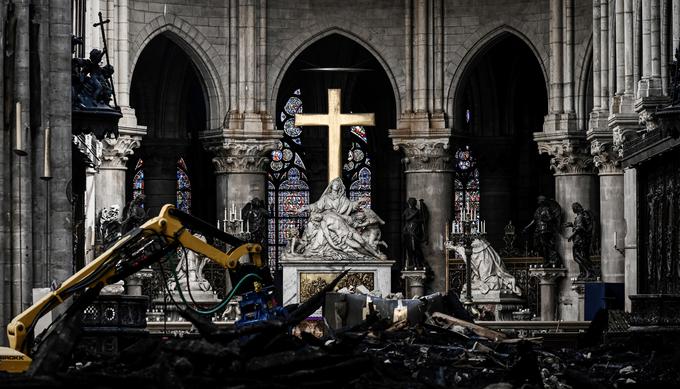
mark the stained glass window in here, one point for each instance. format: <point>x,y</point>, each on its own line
<point>287,187</point>
<point>357,168</point>
<point>138,180</point>
<point>183,187</point>
<point>466,185</point>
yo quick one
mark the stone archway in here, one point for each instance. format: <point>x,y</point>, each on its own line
<point>172,99</point>
<point>500,100</point>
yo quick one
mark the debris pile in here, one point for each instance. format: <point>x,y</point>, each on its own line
<point>443,351</point>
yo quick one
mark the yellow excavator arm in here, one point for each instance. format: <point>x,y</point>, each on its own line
<point>134,251</point>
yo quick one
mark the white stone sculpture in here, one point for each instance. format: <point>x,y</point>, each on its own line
<point>190,265</point>
<point>338,229</point>
<point>488,270</point>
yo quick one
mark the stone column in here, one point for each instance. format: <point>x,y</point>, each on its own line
<point>612,231</point>
<point>548,278</point>
<point>604,55</point>
<point>110,185</point>
<point>414,282</point>
<point>556,55</point>
<point>239,171</point>
<point>568,103</point>
<point>630,217</point>
<point>429,177</point>
<point>574,182</point>
<point>420,68</point>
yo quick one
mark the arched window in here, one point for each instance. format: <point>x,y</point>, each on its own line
<point>183,187</point>
<point>466,185</point>
<point>358,167</point>
<point>287,187</point>
<point>138,180</point>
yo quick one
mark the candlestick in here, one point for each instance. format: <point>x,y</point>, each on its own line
<point>47,166</point>
<point>19,133</point>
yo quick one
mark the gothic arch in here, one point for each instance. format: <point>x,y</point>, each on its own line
<point>304,43</point>
<point>199,50</point>
<point>475,46</point>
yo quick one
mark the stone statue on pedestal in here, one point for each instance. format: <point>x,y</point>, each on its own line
<point>488,271</point>
<point>546,224</point>
<point>109,225</point>
<point>338,229</point>
<point>414,233</point>
<point>190,271</point>
<point>582,233</point>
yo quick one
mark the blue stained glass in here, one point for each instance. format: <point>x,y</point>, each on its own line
<point>467,194</point>
<point>138,180</point>
<point>287,189</point>
<point>183,187</point>
<point>293,106</point>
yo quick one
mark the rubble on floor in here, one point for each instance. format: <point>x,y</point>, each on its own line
<point>443,351</point>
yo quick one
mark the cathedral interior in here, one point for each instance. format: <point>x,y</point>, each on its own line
<point>367,193</point>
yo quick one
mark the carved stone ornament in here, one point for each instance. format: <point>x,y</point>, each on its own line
<point>548,275</point>
<point>605,157</point>
<point>568,156</point>
<point>90,148</point>
<point>648,120</point>
<point>312,283</point>
<point>116,150</point>
<point>429,155</point>
<point>246,156</point>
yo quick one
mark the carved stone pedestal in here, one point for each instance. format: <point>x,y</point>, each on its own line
<point>303,278</point>
<point>414,282</point>
<point>548,277</point>
<point>579,286</point>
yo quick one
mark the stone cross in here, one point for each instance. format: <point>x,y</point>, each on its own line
<point>334,120</point>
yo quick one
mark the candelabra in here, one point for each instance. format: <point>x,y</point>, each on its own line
<point>463,233</point>
<point>233,224</point>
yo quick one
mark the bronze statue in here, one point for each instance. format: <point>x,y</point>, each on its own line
<point>546,224</point>
<point>414,233</point>
<point>582,233</point>
<point>256,215</point>
<point>134,214</point>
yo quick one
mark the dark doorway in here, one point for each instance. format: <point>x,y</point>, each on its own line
<point>500,103</point>
<point>168,95</point>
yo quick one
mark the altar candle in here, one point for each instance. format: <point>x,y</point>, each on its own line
<point>225,212</point>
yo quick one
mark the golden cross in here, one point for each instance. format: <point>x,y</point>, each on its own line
<point>333,120</point>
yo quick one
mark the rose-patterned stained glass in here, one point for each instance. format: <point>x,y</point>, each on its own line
<point>357,168</point>
<point>287,188</point>
<point>183,187</point>
<point>138,180</point>
<point>466,190</point>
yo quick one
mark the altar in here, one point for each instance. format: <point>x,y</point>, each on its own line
<point>302,278</point>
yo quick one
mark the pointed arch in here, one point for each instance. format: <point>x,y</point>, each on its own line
<point>304,43</point>
<point>199,50</point>
<point>475,47</point>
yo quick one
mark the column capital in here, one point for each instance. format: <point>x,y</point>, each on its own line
<point>605,157</point>
<point>548,275</point>
<point>116,150</point>
<point>569,155</point>
<point>425,154</point>
<point>241,156</point>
